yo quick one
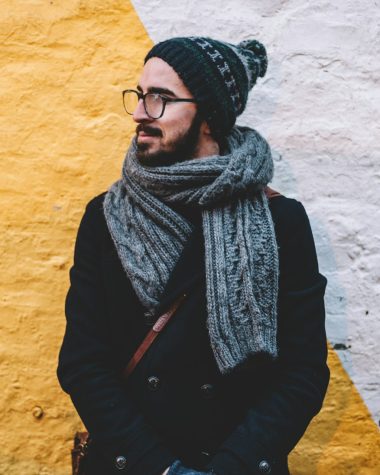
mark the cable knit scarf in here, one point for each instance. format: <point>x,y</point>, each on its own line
<point>241,256</point>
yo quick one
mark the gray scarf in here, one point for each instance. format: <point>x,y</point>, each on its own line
<point>241,256</point>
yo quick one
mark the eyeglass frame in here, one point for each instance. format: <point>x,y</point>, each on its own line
<point>164,99</point>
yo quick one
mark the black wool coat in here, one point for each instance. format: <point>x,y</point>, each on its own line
<point>176,404</point>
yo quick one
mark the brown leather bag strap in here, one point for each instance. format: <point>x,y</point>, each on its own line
<point>271,193</point>
<point>152,335</point>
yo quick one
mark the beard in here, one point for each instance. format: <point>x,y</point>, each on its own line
<point>182,148</point>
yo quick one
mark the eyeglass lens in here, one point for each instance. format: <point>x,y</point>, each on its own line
<point>153,104</point>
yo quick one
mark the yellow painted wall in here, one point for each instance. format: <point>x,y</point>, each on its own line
<point>63,137</point>
<point>343,439</point>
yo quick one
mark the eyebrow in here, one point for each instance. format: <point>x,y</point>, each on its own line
<point>158,90</point>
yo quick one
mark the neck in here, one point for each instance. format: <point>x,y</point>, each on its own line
<point>207,148</point>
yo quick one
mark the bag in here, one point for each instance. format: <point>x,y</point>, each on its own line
<point>82,440</point>
<point>78,453</point>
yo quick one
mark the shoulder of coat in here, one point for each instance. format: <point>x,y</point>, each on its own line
<point>288,214</point>
<point>96,204</point>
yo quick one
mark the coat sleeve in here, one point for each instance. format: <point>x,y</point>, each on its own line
<point>272,428</point>
<point>87,369</point>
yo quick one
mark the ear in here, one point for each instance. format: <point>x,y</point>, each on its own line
<point>205,128</point>
<point>207,145</point>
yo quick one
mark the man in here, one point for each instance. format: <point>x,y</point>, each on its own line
<point>231,383</point>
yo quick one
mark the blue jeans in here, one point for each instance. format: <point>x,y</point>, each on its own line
<point>177,468</point>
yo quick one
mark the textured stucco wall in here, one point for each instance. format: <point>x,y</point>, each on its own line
<point>63,136</point>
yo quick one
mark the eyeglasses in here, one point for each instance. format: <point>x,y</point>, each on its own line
<point>154,103</point>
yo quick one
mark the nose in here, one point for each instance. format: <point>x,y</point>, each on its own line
<point>140,115</point>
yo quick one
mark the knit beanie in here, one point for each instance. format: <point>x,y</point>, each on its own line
<point>219,75</point>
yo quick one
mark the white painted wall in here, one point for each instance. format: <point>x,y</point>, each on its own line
<point>319,107</point>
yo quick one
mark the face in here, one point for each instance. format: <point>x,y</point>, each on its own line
<point>174,136</point>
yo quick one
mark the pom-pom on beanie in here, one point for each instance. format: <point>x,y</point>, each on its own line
<point>219,75</point>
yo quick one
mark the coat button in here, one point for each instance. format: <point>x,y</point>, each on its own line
<point>153,383</point>
<point>264,467</point>
<point>205,457</point>
<point>149,318</point>
<point>120,462</point>
<point>208,391</point>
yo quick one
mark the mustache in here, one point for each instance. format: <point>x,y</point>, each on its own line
<point>148,130</point>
